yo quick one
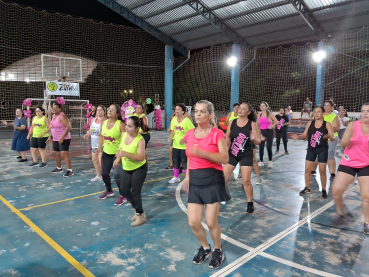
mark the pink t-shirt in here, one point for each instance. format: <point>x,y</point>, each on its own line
<point>57,128</point>
<point>356,155</point>
<point>208,143</point>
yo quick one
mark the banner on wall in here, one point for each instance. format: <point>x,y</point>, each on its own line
<point>62,88</point>
<point>128,109</point>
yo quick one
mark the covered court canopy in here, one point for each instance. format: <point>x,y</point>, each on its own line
<point>187,25</point>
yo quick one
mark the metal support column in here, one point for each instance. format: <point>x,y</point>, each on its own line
<point>168,84</point>
<point>235,77</point>
<point>320,79</point>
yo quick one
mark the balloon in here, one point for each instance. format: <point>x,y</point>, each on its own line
<point>148,100</point>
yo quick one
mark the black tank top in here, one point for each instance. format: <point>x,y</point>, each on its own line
<point>315,137</point>
<point>240,140</point>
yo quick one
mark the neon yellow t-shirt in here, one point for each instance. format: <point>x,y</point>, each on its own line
<point>180,130</point>
<point>39,127</point>
<point>330,119</point>
<point>111,137</point>
<point>233,117</point>
<point>127,163</point>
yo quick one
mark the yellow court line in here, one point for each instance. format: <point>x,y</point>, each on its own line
<point>31,207</point>
<point>52,243</point>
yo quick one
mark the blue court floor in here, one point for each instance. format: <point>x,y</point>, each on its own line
<point>55,226</point>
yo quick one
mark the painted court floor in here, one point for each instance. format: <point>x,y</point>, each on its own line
<point>55,226</point>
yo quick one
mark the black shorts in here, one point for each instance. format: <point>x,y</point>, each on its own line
<point>364,171</point>
<point>207,186</point>
<point>39,142</point>
<point>245,161</point>
<point>322,155</point>
<point>61,147</point>
<point>146,137</point>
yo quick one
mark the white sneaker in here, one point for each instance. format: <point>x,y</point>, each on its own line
<point>223,202</point>
<point>258,182</point>
<point>260,164</point>
<point>270,164</point>
<point>174,180</point>
<point>97,178</point>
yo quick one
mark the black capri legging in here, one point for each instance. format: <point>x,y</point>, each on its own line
<point>179,156</point>
<point>107,162</point>
<point>132,182</point>
<point>283,135</point>
<point>146,137</point>
<point>268,134</point>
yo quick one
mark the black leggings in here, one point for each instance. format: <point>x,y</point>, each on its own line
<point>179,156</point>
<point>282,134</point>
<point>132,182</point>
<point>107,161</point>
<point>268,134</point>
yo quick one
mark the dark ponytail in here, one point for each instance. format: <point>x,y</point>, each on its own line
<point>137,122</point>
<point>117,109</point>
<point>252,115</point>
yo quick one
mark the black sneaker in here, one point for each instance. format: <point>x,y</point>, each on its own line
<point>43,165</point>
<point>202,255</point>
<point>332,177</point>
<point>169,167</point>
<point>19,157</point>
<point>305,191</point>
<point>286,153</point>
<point>68,173</point>
<point>277,151</point>
<point>338,220</point>
<point>366,229</point>
<point>57,170</point>
<point>313,172</point>
<point>324,194</point>
<point>217,259</point>
<point>22,160</point>
<point>33,164</point>
<point>250,207</point>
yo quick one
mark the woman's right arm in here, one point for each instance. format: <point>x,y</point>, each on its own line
<point>304,135</point>
<point>30,132</point>
<point>347,135</point>
<point>171,136</point>
<point>228,135</point>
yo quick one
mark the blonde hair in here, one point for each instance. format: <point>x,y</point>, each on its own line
<point>210,108</point>
<point>268,110</point>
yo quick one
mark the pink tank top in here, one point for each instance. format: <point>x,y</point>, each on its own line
<point>264,122</point>
<point>57,128</point>
<point>357,153</point>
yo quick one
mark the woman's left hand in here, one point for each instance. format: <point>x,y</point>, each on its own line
<point>61,140</point>
<point>182,141</point>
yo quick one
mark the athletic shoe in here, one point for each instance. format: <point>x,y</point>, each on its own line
<point>97,178</point>
<point>332,177</point>
<point>57,170</point>
<point>305,191</point>
<point>33,164</point>
<point>286,153</point>
<point>202,255</point>
<point>43,165</point>
<point>68,173</point>
<point>121,200</point>
<point>216,259</point>
<point>135,216</point>
<point>356,181</point>
<point>260,164</point>
<point>258,182</point>
<point>313,172</point>
<point>277,152</point>
<point>106,194</point>
<point>140,219</point>
<point>366,229</point>
<point>250,207</point>
<point>223,202</point>
<point>169,167</point>
<point>324,194</point>
<point>174,180</point>
<point>239,176</point>
<point>338,220</point>
<point>22,160</point>
<point>19,157</point>
<point>270,164</point>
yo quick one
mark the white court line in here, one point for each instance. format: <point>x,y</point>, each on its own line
<point>259,250</point>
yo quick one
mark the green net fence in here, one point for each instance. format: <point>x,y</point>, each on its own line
<point>120,63</point>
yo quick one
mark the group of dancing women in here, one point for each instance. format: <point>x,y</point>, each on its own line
<point>208,156</point>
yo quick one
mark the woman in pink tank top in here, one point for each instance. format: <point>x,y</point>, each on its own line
<point>267,122</point>
<point>355,160</point>
<point>60,134</point>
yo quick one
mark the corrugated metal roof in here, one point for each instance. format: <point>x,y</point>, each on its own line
<point>258,22</point>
